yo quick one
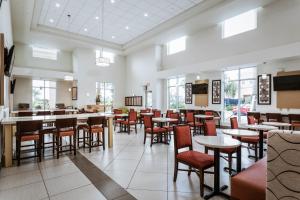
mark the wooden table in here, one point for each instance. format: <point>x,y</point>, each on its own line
<point>240,133</point>
<point>10,122</point>
<point>216,143</point>
<point>162,121</point>
<point>261,129</point>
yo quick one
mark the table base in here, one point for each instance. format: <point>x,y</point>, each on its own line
<point>219,192</point>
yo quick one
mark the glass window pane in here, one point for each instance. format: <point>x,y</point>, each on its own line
<point>181,81</point>
<point>181,96</point>
<point>247,73</point>
<point>231,99</point>
<point>231,75</point>
<point>172,82</point>
<point>38,98</point>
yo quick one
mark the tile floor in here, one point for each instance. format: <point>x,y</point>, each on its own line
<point>145,172</point>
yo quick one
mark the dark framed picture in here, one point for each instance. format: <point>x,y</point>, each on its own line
<point>188,93</point>
<point>264,89</point>
<point>216,92</point>
<point>74,93</point>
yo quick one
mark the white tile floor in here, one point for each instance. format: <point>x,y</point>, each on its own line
<point>145,172</point>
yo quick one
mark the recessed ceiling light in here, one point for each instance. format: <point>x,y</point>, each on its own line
<point>112,1</point>
<point>127,27</point>
<point>85,29</point>
<point>57,5</point>
<point>96,17</point>
<point>113,37</point>
<point>146,15</point>
<point>51,20</point>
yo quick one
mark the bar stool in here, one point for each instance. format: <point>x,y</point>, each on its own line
<point>95,127</point>
<point>65,128</point>
<point>28,131</point>
<point>81,125</point>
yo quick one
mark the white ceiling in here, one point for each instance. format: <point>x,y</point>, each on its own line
<point>117,16</point>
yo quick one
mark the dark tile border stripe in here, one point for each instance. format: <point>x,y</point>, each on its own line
<point>108,187</point>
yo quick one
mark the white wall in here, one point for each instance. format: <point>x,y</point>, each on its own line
<point>141,69</point>
<point>6,28</point>
<point>87,74</point>
<point>24,58</point>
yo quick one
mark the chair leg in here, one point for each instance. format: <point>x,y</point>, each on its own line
<point>128,129</point>
<point>83,139</point>
<point>205,150</point>
<point>103,139</point>
<point>40,149</point>
<point>229,163</point>
<point>90,141</point>
<point>255,151</point>
<point>135,129</point>
<point>78,136</point>
<point>145,137</point>
<point>57,147</point>
<point>53,144</point>
<point>18,152</point>
<point>190,171</point>
<point>175,171</point>
<point>201,177</point>
<point>151,139</point>
<point>74,144</point>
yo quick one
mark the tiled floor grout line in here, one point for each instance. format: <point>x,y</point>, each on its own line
<point>44,181</point>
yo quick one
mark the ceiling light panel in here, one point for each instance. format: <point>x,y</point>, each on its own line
<point>139,15</point>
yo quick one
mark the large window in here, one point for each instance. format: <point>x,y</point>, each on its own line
<point>105,93</point>
<point>43,94</point>
<point>148,99</point>
<point>176,93</point>
<point>50,54</point>
<point>239,24</point>
<point>240,93</point>
<point>176,45</point>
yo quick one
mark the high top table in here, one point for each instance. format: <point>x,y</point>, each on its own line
<point>16,112</point>
<point>261,129</point>
<point>9,122</point>
<point>217,143</point>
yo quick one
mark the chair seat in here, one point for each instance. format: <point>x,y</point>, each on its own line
<point>169,128</point>
<point>156,130</point>
<point>94,129</point>
<point>195,124</point>
<point>82,125</point>
<point>65,132</point>
<point>119,121</point>
<point>252,140</point>
<point>129,122</point>
<point>30,137</point>
<point>196,159</point>
<point>228,150</point>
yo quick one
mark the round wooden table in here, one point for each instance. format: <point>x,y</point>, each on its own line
<point>280,125</point>
<point>216,143</point>
<point>261,129</point>
<point>240,133</point>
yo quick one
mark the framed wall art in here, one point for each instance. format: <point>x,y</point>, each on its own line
<point>264,89</point>
<point>188,93</point>
<point>216,92</point>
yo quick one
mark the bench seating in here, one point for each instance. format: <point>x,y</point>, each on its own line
<point>250,184</point>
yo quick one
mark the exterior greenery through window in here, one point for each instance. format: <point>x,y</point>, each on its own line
<point>176,93</point>
<point>43,94</point>
<point>105,95</point>
<point>240,93</point>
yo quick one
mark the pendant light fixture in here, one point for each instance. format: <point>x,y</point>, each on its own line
<point>101,60</point>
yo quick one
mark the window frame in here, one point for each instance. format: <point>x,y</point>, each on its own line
<point>44,87</point>
<point>99,87</point>
<point>176,86</point>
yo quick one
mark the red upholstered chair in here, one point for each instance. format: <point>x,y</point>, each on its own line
<point>95,129</point>
<point>191,121</point>
<point>169,113</point>
<point>211,130</point>
<point>294,120</point>
<point>131,110</point>
<point>65,128</point>
<point>209,113</point>
<point>249,140</point>
<point>157,113</point>
<point>141,117</point>
<point>256,116</point>
<point>197,161</point>
<point>131,121</point>
<point>117,119</point>
<point>251,120</point>
<point>29,131</point>
<point>149,128</point>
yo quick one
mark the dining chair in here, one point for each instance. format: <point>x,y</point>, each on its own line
<point>294,120</point>
<point>193,123</point>
<point>59,112</point>
<point>25,113</point>
<point>169,113</point>
<point>154,131</point>
<point>256,115</point>
<point>131,121</point>
<point>65,128</point>
<point>197,162</point>
<point>248,140</point>
<point>274,117</point>
<point>211,130</point>
<point>95,128</point>
<point>117,119</point>
<point>157,113</point>
<point>29,131</point>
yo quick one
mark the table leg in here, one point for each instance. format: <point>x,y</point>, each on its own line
<point>239,159</point>
<point>217,190</point>
<point>261,144</point>
<point>8,145</point>
<point>110,132</point>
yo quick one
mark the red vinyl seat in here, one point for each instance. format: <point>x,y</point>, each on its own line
<point>196,159</point>
<point>251,183</point>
